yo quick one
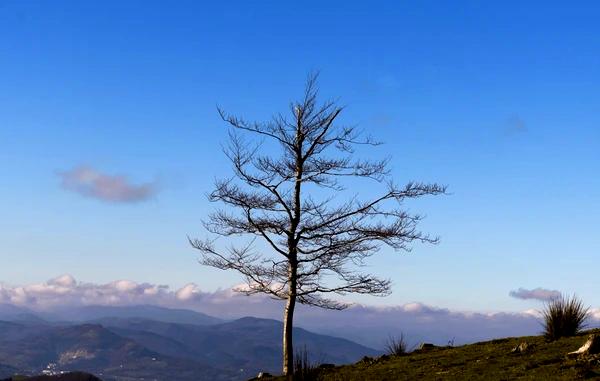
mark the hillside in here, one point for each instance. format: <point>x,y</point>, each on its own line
<point>92,348</point>
<point>491,360</point>
<point>171,315</point>
<point>248,345</point>
<point>136,348</point>
<point>8,312</point>
<point>74,376</point>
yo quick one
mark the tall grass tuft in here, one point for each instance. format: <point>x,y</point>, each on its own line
<point>396,345</point>
<point>563,317</point>
<point>304,368</point>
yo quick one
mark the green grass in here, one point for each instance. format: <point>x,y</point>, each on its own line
<point>491,360</point>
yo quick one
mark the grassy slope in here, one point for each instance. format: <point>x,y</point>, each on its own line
<point>490,360</point>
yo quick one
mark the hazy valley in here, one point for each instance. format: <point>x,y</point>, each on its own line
<point>146,342</point>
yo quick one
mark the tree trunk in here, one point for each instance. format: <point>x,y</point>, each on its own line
<point>288,347</point>
<point>288,314</point>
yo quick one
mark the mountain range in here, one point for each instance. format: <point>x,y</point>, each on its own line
<point>150,342</point>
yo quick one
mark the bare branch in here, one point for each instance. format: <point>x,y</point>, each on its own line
<point>316,244</point>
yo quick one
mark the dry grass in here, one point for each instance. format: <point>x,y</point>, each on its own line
<point>492,360</point>
<point>564,317</point>
<point>396,345</point>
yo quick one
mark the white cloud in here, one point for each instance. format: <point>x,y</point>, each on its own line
<point>188,292</point>
<point>533,312</point>
<point>125,286</point>
<point>413,307</point>
<point>368,325</point>
<point>66,291</point>
<point>63,280</point>
<point>539,293</point>
<point>89,182</point>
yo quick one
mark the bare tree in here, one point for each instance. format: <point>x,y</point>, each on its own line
<point>284,194</point>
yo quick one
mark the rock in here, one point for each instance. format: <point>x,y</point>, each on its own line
<point>522,348</point>
<point>367,360</point>
<point>264,375</point>
<point>591,347</point>
<point>426,346</point>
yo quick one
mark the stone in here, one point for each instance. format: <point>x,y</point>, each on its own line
<point>426,346</point>
<point>591,347</point>
<point>522,348</point>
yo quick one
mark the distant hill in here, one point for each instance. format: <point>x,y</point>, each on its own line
<point>172,315</point>
<point>252,335</point>
<point>9,312</point>
<point>93,348</point>
<point>135,348</point>
<point>73,376</point>
<point>11,331</point>
<point>248,344</point>
<point>6,371</point>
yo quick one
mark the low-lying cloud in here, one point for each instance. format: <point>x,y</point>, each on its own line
<point>367,325</point>
<point>66,291</point>
<point>89,182</point>
<point>541,294</point>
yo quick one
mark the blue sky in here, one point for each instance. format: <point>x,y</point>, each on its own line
<point>498,101</point>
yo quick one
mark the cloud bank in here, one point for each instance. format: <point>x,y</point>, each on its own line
<point>89,182</point>
<point>367,325</point>
<point>66,291</point>
<point>541,294</point>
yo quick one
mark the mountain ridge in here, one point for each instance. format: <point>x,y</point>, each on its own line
<point>116,347</point>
